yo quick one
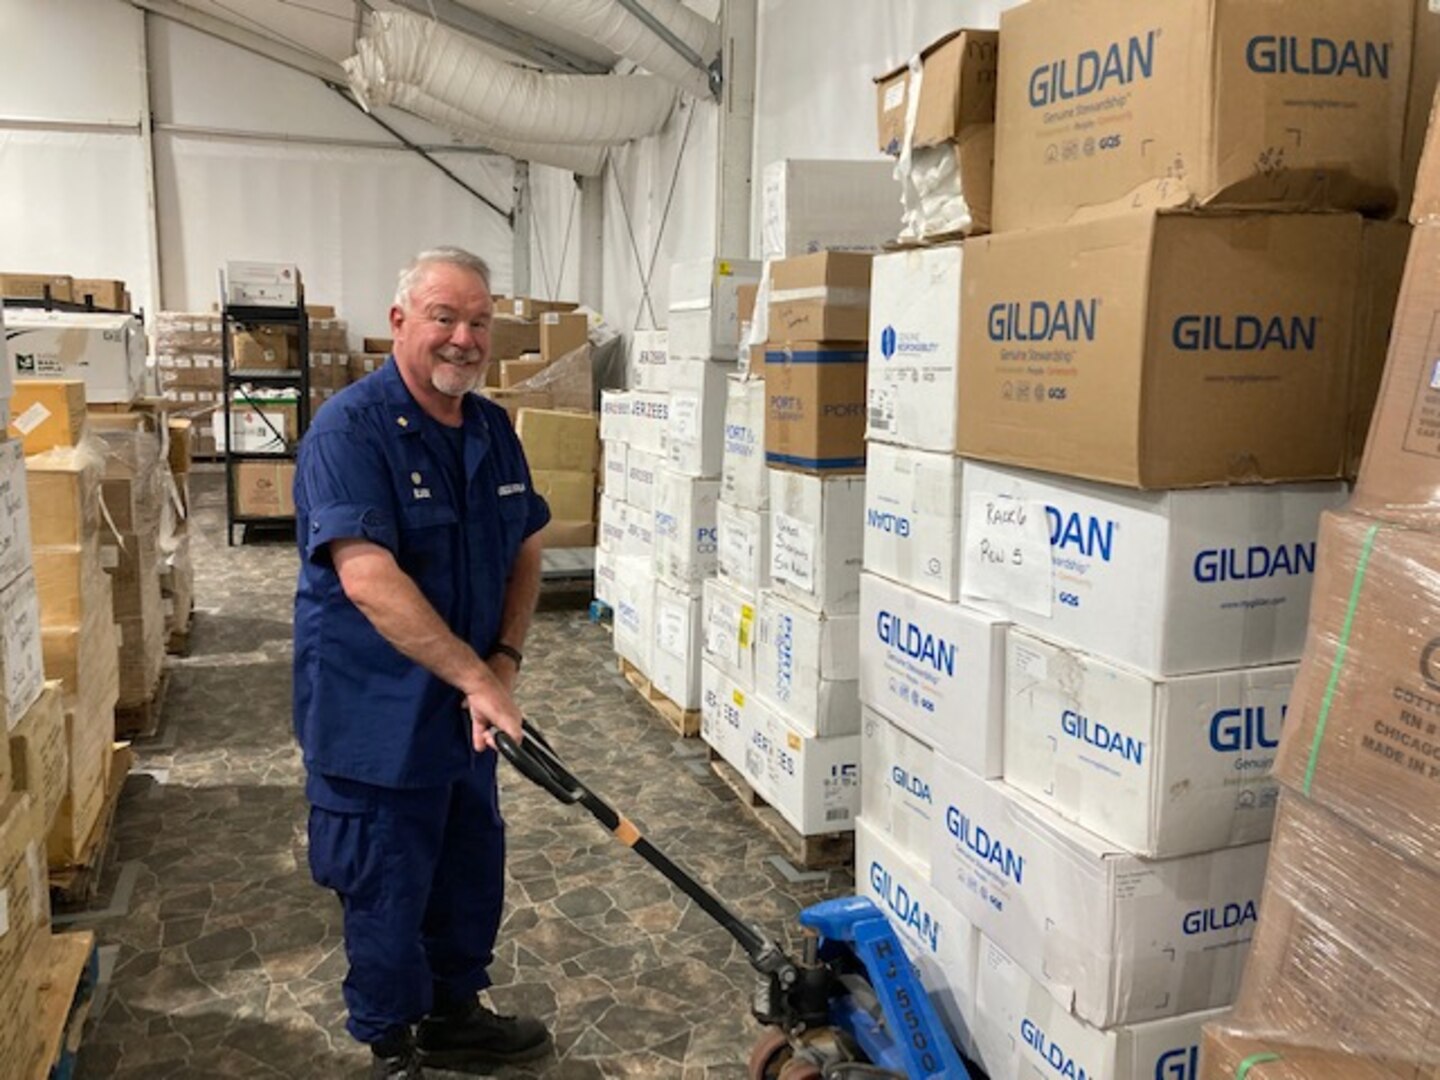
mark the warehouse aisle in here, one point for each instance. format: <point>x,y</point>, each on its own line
<point>227,960</point>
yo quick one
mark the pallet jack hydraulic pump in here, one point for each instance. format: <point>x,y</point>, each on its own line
<point>851,1009</point>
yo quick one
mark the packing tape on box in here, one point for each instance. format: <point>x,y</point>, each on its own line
<point>1342,650</point>
<point>1243,1069</point>
<point>833,295</point>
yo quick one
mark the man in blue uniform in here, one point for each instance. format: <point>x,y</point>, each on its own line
<point>419,572</point>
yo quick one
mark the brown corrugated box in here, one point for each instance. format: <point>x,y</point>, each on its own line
<point>133,562</point>
<point>22,881</point>
<point>512,401</point>
<point>89,737</point>
<point>570,495</point>
<point>1424,76</point>
<point>1162,350</point>
<point>525,307</point>
<point>46,413</point>
<point>142,653</point>
<point>63,490</point>
<point>263,348</point>
<point>511,337</point>
<point>1384,246</point>
<point>556,440</point>
<point>1225,1054</point>
<point>39,754</point>
<point>263,489</point>
<point>378,345</point>
<point>568,534</point>
<point>957,90</point>
<point>1104,104</point>
<point>104,293</point>
<point>815,407</point>
<point>820,297</point>
<point>561,334</point>
<point>515,372</point>
<point>32,286</point>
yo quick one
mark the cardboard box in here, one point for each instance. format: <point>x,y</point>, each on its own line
<point>102,292</point>
<point>1169,583</point>
<point>378,346</point>
<point>815,408</point>
<point>940,942</point>
<point>935,669</point>
<point>649,355</point>
<point>555,440</point>
<point>22,664</point>
<point>106,351</point>
<point>1360,727</point>
<point>813,782</point>
<point>1226,1053</point>
<point>606,572</point>
<point>1384,247</point>
<point>634,623</point>
<point>743,542</point>
<point>913,383</point>
<point>1424,76</point>
<point>912,519</point>
<point>514,373</point>
<point>675,664</point>
<point>806,666</point>
<point>571,495</point>
<point>63,584</point>
<point>562,334</point>
<point>1162,767</point>
<point>512,401</point>
<point>527,307</point>
<point>265,490</point>
<point>560,533</point>
<point>640,537</point>
<point>16,545</point>
<point>510,338</point>
<point>133,563</point>
<point>809,206</point>
<point>1105,103</point>
<point>1099,350</point>
<point>744,480</point>
<point>704,319</point>
<point>614,515</point>
<point>1022,1031</point>
<point>362,364</point>
<point>47,413</point>
<point>1114,938</point>
<point>820,297</point>
<point>262,426</point>
<point>89,736</point>
<point>63,492</point>
<point>262,284</point>
<point>22,882</point>
<point>723,706</point>
<point>39,759</point>
<point>956,89</point>
<point>615,470</point>
<point>615,408</point>
<point>264,348</point>
<point>728,614</point>
<point>896,798</point>
<point>746,296</point>
<point>649,420</point>
<point>33,286</point>
<point>643,470</point>
<point>816,526</point>
<point>693,440</point>
<point>685,539</point>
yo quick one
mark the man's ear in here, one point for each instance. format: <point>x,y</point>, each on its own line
<point>397,319</point>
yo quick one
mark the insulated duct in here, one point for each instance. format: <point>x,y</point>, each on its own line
<point>408,56</point>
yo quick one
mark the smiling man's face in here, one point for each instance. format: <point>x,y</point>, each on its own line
<point>442,334</point>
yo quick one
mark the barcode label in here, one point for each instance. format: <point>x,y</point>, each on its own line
<point>837,815</point>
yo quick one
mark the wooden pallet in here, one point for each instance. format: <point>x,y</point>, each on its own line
<point>73,887</point>
<point>832,851</point>
<point>686,722</point>
<point>143,720</point>
<point>67,988</point>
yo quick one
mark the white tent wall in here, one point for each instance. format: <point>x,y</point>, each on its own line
<point>555,234</point>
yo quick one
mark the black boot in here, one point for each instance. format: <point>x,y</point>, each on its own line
<point>395,1056</point>
<point>471,1034</point>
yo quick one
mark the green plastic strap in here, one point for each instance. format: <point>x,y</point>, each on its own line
<point>1344,647</point>
<point>1249,1063</point>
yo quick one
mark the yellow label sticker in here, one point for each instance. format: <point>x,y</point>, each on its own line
<point>793,740</point>
<point>738,696</point>
<point>724,269</point>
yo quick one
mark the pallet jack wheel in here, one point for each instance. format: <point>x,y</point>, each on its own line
<point>800,1070</point>
<point>770,1055</point>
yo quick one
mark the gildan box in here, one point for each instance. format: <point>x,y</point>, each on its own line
<point>570,495</point>
<point>16,546</point>
<point>107,352</point>
<point>808,206</point>
<point>813,781</point>
<point>806,666</point>
<point>675,660</point>
<point>649,355</point>
<point>723,705</point>
<point>940,942</point>
<point>1021,1031</point>
<point>914,348</point>
<point>729,631</point>
<point>743,540</point>
<point>1162,767</point>
<point>22,665</point>
<point>615,470</point>
<point>559,441</point>
<point>1169,583</point>
<point>640,536</point>
<point>642,470</point>
<point>634,621</point>
<point>744,480</point>
<point>816,539</point>
<point>1359,734</point>
<point>1106,103</point>
<point>895,788</point>
<point>704,318</point>
<point>39,754</point>
<point>820,297</point>
<point>47,413</point>
<point>562,333</point>
<point>694,437</point>
<point>685,545</point>
<point>815,408</point>
<point>912,518</point>
<point>649,418</point>
<point>510,338</point>
<point>1163,350</point>
<point>935,669</point>
<point>1384,247</point>
<point>1116,939</point>
<point>606,572</point>
<point>615,407</point>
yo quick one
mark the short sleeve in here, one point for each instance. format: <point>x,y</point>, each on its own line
<point>342,485</point>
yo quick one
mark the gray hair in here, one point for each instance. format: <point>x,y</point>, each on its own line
<point>452,256</point>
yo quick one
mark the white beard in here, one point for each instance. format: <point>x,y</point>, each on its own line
<point>455,380</point>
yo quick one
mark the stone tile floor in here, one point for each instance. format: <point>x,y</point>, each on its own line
<point>225,960</point>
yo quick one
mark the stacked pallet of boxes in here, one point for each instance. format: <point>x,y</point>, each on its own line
<point>1153,398</point>
<point>177,567</point>
<point>188,371</point>
<point>563,451</point>
<point>329,355</point>
<point>1344,974</point>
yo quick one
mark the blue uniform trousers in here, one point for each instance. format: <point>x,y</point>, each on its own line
<point>420,876</point>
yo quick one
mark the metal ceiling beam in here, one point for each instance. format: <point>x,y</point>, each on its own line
<point>296,59</point>
<point>502,35</point>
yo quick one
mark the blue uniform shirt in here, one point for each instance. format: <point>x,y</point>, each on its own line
<point>375,467</point>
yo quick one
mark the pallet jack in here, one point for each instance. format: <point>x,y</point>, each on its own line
<point>851,1008</point>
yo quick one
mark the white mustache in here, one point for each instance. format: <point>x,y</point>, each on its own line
<point>453,355</point>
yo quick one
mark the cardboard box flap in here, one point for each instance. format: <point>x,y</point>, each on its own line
<point>957,88</point>
<point>1426,207</point>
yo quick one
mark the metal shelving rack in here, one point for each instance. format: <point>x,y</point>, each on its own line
<point>239,379</point>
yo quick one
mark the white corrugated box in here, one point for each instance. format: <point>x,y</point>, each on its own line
<point>642,470</point>
<point>896,796</point>
<point>616,481</point>
<point>7,377</point>
<point>22,663</point>
<point>704,316</point>
<point>262,284</point>
<point>675,659</point>
<point>743,537</point>
<point>106,351</point>
<point>634,625</point>
<point>649,417</point>
<point>614,525</point>
<point>809,206</point>
<point>912,518</point>
<point>806,665</point>
<point>685,547</point>
<point>813,782</point>
<point>16,552</point>
<point>724,706</point>
<point>817,539</point>
<point>615,407</point>
<point>744,480</point>
<point>640,536</point>
<point>729,616</point>
<point>694,439</point>
<point>606,573</point>
<point>649,355</point>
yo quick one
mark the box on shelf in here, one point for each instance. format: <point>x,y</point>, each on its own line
<point>693,439</point>
<point>704,319</point>
<point>47,413</point>
<point>1162,767</point>
<point>813,781</point>
<point>809,206</point>
<point>562,333</point>
<point>937,670</point>
<point>1101,350</point>
<point>912,518</point>
<point>649,355</point>
<point>264,348</point>
<point>22,664</point>
<point>1169,583</point>
<point>265,490</point>
<point>1217,106</point>
<point>260,425</point>
<point>559,441</point>
<point>820,297</point>
<point>816,526</point>
<point>743,543</point>
<point>106,352</point>
<point>806,666</point>
<point>744,480</point>
<point>896,799</point>
<point>262,284</point>
<point>1115,938</point>
<point>685,547</point>
<point>815,407</point>
<point>729,635</point>
<point>675,659</point>
<point>723,710</point>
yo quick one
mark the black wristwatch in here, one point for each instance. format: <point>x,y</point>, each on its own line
<point>505,650</point>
